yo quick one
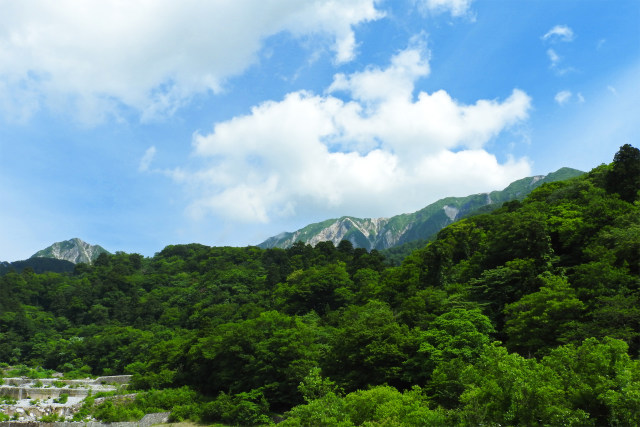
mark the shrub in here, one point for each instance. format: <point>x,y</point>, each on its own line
<point>51,418</point>
<point>243,408</point>
<point>62,399</point>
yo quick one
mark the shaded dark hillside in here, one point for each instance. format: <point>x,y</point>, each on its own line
<point>38,265</point>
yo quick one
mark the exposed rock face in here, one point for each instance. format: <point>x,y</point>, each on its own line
<point>73,250</point>
<point>384,233</point>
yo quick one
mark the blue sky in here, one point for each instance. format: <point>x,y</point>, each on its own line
<point>135,124</point>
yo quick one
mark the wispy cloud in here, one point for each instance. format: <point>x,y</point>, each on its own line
<point>559,33</point>
<point>455,7</point>
<point>147,158</point>
<point>563,97</point>
<point>553,57</point>
<point>566,96</point>
<point>556,61</point>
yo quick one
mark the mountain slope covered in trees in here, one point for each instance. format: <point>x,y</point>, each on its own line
<point>385,233</point>
<point>528,315</point>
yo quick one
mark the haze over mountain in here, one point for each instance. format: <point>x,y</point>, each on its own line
<point>384,233</point>
<point>72,250</point>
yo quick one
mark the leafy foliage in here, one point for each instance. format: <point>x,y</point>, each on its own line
<point>336,336</point>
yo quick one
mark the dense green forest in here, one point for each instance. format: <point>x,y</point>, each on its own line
<point>528,315</point>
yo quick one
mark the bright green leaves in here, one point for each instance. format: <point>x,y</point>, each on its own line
<point>320,289</point>
<point>452,341</point>
<point>458,333</point>
<point>507,389</point>
<point>380,405</point>
<point>599,378</point>
<point>542,319</point>
<point>273,351</point>
<point>369,347</point>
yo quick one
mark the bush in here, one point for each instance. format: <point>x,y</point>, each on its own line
<point>243,408</point>
<point>381,405</point>
<point>62,399</point>
<point>191,412</point>
<point>51,418</point>
<point>25,371</point>
<point>7,400</point>
<point>109,412</point>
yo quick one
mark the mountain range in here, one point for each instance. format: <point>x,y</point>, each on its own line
<point>368,233</point>
<point>385,233</point>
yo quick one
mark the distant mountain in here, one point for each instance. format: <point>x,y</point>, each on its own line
<point>384,233</point>
<point>73,250</point>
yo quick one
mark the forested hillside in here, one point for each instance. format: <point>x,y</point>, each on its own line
<point>412,230</point>
<point>529,315</point>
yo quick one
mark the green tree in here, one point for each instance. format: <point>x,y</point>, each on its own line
<point>368,347</point>
<point>599,378</point>
<point>540,320</point>
<point>624,177</point>
<point>453,341</point>
<point>272,352</point>
<point>321,289</point>
<point>507,389</point>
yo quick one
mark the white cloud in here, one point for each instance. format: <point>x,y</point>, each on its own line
<point>396,81</point>
<point>455,7</point>
<point>147,158</point>
<point>556,60</point>
<point>563,97</point>
<point>151,56</point>
<point>559,33</point>
<point>553,57</point>
<point>379,153</point>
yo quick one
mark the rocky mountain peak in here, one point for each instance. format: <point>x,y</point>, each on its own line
<point>73,250</point>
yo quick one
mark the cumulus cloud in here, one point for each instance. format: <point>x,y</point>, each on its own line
<point>396,81</point>
<point>559,33</point>
<point>455,7</point>
<point>381,151</point>
<point>149,56</point>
